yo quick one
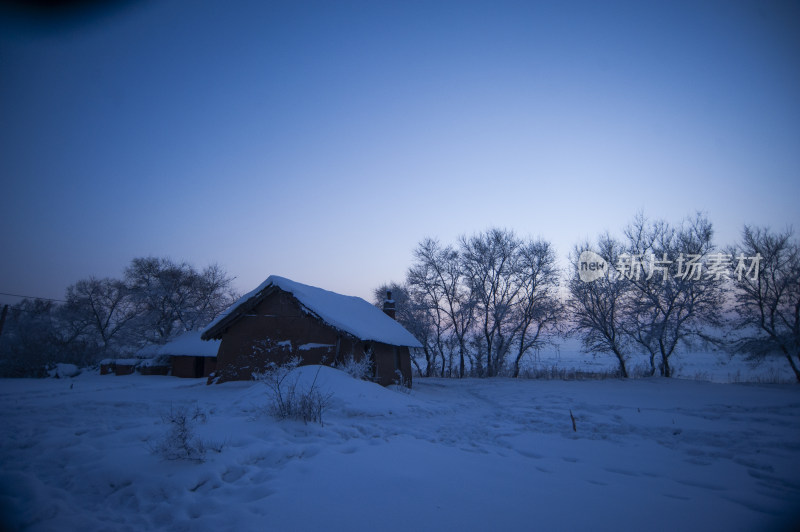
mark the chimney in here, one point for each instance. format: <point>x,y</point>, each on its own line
<point>388,305</point>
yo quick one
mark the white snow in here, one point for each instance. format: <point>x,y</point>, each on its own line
<point>128,361</point>
<point>153,362</point>
<point>697,364</point>
<point>491,454</point>
<point>350,314</point>
<point>148,351</point>
<point>190,344</point>
<point>312,345</point>
<point>63,371</point>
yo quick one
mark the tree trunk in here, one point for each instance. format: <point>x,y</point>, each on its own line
<point>794,366</point>
<point>666,371</point>
<point>429,369</point>
<point>419,369</point>
<point>622,367</point>
<point>516,363</point>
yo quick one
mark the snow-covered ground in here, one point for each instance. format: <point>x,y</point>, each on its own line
<point>708,365</point>
<point>494,454</point>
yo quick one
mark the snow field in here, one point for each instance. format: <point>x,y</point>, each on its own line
<point>493,454</point>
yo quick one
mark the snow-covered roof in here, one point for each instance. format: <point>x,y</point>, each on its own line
<point>190,344</point>
<point>350,314</point>
<point>187,344</point>
<point>150,350</point>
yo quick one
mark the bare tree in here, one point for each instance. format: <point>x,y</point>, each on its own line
<point>538,313</point>
<point>213,293</point>
<point>767,279</point>
<point>101,309</point>
<point>173,297</point>
<point>597,308</point>
<point>489,263</point>
<point>494,295</point>
<point>673,300</point>
<point>436,280</point>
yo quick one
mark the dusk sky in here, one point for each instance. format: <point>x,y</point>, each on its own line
<point>322,141</point>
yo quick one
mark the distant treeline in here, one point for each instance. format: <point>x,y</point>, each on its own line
<point>479,306</point>
<point>156,300</point>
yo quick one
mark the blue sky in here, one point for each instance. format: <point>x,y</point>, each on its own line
<point>322,141</point>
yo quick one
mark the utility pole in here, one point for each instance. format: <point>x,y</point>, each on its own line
<point>3,318</point>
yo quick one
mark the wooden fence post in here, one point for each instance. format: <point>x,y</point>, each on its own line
<point>3,318</point>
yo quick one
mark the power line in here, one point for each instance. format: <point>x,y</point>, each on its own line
<point>32,297</point>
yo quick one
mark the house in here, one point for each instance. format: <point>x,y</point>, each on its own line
<point>282,319</point>
<point>190,356</point>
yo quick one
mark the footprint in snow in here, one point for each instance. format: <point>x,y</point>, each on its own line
<point>625,472</point>
<point>349,449</point>
<point>232,475</point>
<point>674,496</point>
<point>705,485</point>
<point>529,454</point>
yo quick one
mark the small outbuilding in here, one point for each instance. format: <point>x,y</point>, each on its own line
<point>191,357</point>
<point>185,356</point>
<point>282,319</point>
<point>125,366</point>
<point>107,366</point>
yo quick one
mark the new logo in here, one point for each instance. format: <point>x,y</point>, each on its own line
<point>591,266</point>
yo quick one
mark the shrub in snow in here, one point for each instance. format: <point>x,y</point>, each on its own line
<point>400,383</point>
<point>289,400</point>
<point>360,369</point>
<point>180,441</point>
